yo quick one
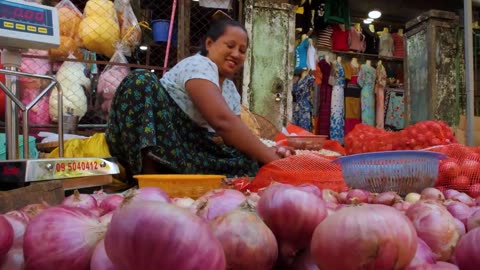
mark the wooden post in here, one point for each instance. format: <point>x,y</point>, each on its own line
<point>183,41</point>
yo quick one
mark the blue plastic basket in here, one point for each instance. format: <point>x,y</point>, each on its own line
<point>400,171</point>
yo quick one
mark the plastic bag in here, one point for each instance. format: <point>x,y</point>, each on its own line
<point>73,80</point>
<point>94,146</point>
<point>130,32</point>
<point>69,18</point>
<point>99,29</point>
<point>111,78</point>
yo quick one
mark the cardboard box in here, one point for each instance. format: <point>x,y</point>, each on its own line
<point>51,192</point>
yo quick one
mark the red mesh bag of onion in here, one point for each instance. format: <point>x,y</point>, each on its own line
<point>461,170</point>
<point>308,168</point>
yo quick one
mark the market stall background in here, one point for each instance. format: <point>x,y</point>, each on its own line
<point>151,18</point>
<point>89,48</point>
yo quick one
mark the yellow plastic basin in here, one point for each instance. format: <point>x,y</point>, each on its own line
<point>181,185</point>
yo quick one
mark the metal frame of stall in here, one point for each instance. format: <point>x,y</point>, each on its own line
<point>469,76</point>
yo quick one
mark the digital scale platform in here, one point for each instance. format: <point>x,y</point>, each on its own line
<point>26,25</point>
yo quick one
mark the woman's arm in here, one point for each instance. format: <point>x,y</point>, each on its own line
<point>206,96</point>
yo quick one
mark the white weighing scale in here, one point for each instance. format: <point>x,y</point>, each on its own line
<point>25,25</point>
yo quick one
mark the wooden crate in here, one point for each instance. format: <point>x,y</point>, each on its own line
<point>51,192</point>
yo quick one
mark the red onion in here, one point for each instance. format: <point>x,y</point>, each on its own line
<point>154,235</point>
<point>19,215</point>
<point>449,193</point>
<point>32,210</point>
<point>146,194</point>
<point>247,242</point>
<point>252,199</point>
<point>371,197</point>
<point>100,260</point>
<point>63,237</point>
<point>97,211</point>
<point>13,260</point>
<point>186,202</point>
<point>460,226</point>
<point>218,202</point>
<point>436,266</point>
<point>99,195</point>
<point>84,201</point>
<point>331,206</point>
<point>342,197</point>
<point>460,211</point>
<point>402,206</point>
<point>436,226</point>
<point>329,196</point>
<point>304,261</point>
<point>304,211</point>
<point>445,266</point>
<point>431,193</point>
<point>477,201</point>
<point>106,219</point>
<point>111,202</point>
<point>412,197</point>
<point>423,254</point>
<point>311,188</point>
<point>468,248</point>
<point>369,236</point>
<point>6,236</point>
<point>464,198</point>
<point>356,196</point>
<point>19,225</point>
<point>473,221</point>
<point>387,198</point>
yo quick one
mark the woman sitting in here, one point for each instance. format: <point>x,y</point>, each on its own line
<point>170,125</point>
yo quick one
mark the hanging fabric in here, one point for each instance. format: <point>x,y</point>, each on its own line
<point>337,11</point>
<point>337,114</point>
<point>380,83</point>
<point>302,107</point>
<point>322,126</point>
<point>366,79</point>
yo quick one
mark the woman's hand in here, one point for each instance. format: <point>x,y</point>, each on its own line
<point>284,151</point>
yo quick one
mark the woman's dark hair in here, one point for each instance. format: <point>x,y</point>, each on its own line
<point>217,29</point>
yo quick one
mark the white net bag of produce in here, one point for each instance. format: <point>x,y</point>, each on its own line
<point>111,77</point>
<point>99,29</point>
<point>69,18</point>
<point>74,82</point>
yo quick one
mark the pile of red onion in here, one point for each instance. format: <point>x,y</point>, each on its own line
<point>282,227</point>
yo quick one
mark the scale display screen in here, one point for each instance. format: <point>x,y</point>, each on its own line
<point>28,25</point>
<point>30,15</point>
<point>13,15</point>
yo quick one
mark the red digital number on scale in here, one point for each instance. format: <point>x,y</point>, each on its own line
<point>76,166</point>
<point>22,14</point>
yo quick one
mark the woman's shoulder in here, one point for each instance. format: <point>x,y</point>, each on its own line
<point>196,59</point>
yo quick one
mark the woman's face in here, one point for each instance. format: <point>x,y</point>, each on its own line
<point>228,51</point>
